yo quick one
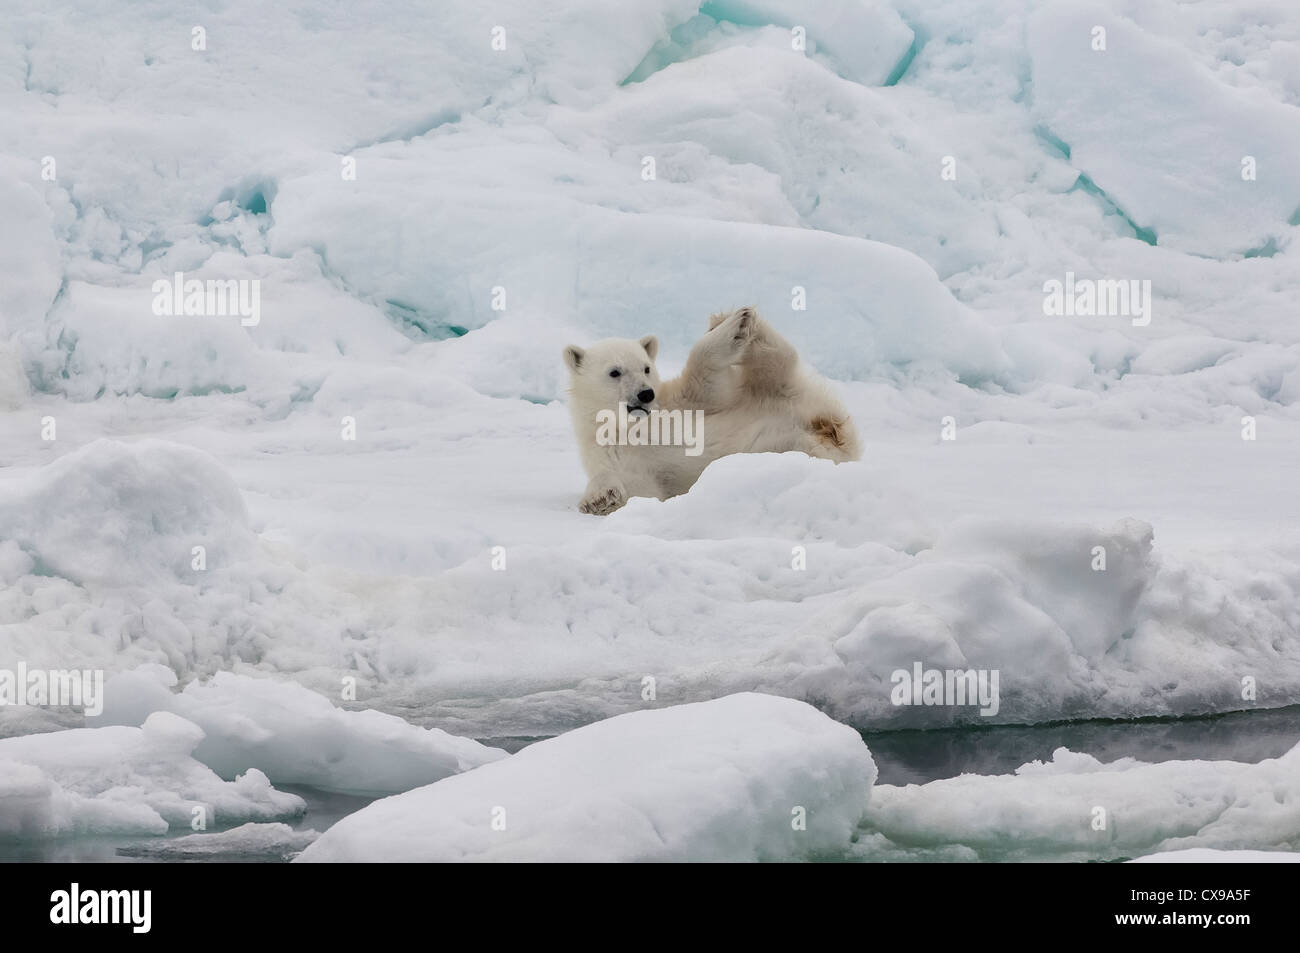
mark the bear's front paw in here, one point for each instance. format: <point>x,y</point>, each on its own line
<point>603,502</point>
<point>735,331</point>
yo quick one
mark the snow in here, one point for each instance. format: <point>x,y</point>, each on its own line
<point>863,41</point>
<point>1162,135</point>
<point>97,516</point>
<point>292,734</point>
<point>521,170</point>
<point>743,778</point>
<point>1074,807</point>
<point>480,652</point>
<point>1202,855</point>
<point>122,780</point>
<point>29,256</point>
<point>13,383</point>
<point>887,308</point>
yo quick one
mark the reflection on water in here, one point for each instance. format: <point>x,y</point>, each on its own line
<point>914,757</point>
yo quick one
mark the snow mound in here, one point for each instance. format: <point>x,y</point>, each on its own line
<point>725,780</point>
<point>292,734</point>
<point>1060,570</point>
<point>121,780</point>
<point>128,514</point>
<point>1022,599</point>
<point>786,496</point>
<point>1076,806</point>
<point>251,841</point>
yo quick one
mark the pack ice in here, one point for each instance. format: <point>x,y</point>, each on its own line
<point>1074,807</point>
<point>377,482</point>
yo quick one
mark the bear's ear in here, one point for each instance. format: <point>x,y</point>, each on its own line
<point>651,345</point>
<point>573,356</point>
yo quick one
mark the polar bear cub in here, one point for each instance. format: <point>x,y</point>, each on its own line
<point>743,390</point>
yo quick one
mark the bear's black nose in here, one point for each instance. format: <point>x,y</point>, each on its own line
<point>646,396</point>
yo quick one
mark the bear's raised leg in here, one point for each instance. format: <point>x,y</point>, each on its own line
<point>707,381</point>
<point>768,363</point>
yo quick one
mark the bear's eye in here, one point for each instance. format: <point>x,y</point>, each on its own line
<point>647,370</point>
<point>615,372</point>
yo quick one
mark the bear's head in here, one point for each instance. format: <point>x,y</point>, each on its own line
<point>614,371</point>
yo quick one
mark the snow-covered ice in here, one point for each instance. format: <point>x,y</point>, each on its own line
<point>1159,133</point>
<point>122,780</point>
<point>743,778</point>
<point>431,219</point>
<point>567,632</point>
<point>1075,807</point>
<point>292,734</point>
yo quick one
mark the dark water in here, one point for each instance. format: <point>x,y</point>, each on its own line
<point>902,757</point>
<point>915,757</point>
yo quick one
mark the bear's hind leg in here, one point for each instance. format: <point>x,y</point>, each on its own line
<point>833,437</point>
<point>769,364</point>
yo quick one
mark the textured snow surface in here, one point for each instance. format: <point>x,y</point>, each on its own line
<point>123,780</point>
<point>698,592</point>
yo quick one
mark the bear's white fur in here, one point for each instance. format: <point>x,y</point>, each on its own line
<point>755,394</point>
